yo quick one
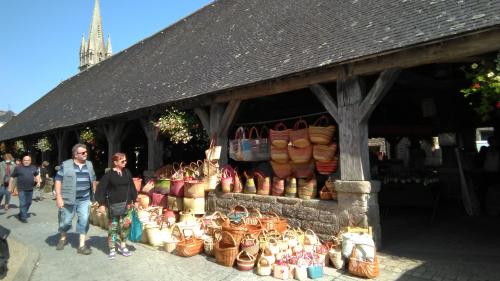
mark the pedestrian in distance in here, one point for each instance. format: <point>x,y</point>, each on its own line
<point>6,169</point>
<point>75,182</point>
<point>116,191</point>
<point>27,178</point>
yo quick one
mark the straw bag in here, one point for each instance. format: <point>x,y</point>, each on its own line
<point>281,170</point>
<point>278,187</point>
<point>363,268</point>
<point>300,136</point>
<point>177,188</point>
<point>321,131</point>
<point>263,183</point>
<point>270,221</point>
<point>310,238</point>
<point>264,267</point>
<point>226,180</point>
<point>237,212</point>
<point>213,151</point>
<point>226,250</point>
<point>279,154</point>
<point>291,187</point>
<point>159,200</point>
<point>281,271</point>
<point>300,154</point>
<point>194,189</point>
<point>327,168</point>
<point>143,201</point>
<point>279,136</point>
<point>245,261</point>
<point>175,203</point>
<point>237,185</point>
<point>250,244</point>
<point>323,152</point>
<point>303,170</point>
<point>188,247</point>
<point>307,188</point>
<point>210,168</point>
<point>162,186</point>
<point>239,147</point>
<point>208,246</point>
<point>250,187</point>
<point>194,205</point>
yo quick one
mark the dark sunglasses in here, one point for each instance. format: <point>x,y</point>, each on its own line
<point>82,153</point>
<point>123,161</point>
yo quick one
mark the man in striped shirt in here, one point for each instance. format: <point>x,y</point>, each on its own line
<point>74,184</point>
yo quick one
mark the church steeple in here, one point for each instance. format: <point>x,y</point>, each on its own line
<point>95,50</point>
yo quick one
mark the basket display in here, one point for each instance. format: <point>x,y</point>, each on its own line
<point>321,132</point>
<point>226,250</point>
<point>245,261</point>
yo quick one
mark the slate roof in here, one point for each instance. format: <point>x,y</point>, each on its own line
<point>231,43</point>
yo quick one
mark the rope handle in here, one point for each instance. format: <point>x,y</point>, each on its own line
<point>300,122</point>
<point>322,121</point>
<point>280,127</point>
<point>253,131</point>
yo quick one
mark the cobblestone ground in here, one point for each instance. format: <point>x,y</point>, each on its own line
<point>147,263</point>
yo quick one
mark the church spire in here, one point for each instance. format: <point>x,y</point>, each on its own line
<point>109,50</point>
<point>95,51</point>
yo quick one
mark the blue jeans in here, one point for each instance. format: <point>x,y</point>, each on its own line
<point>4,191</point>
<point>25,197</point>
<point>67,212</point>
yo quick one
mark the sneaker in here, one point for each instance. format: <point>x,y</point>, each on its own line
<point>23,220</point>
<point>112,254</point>
<point>84,250</point>
<point>61,244</point>
<point>124,251</point>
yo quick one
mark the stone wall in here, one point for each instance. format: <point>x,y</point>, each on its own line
<point>357,205</point>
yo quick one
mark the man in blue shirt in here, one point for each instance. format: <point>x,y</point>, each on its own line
<point>74,183</point>
<point>27,177</point>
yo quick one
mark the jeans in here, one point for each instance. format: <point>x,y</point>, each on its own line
<point>25,197</point>
<point>67,212</point>
<point>4,191</point>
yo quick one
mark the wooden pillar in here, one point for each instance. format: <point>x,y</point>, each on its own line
<point>217,124</point>
<point>155,147</point>
<point>113,133</point>
<point>61,146</point>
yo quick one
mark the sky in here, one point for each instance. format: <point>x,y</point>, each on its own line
<point>40,39</point>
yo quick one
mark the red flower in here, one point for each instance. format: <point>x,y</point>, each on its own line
<point>476,86</point>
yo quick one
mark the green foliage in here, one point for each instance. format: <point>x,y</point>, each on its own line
<point>19,146</point>
<point>87,135</point>
<point>484,92</point>
<point>43,144</point>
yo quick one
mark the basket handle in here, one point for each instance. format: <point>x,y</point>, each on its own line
<point>255,211</point>
<point>264,131</point>
<point>253,131</point>
<point>300,122</point>
<point>232,238</point>
<point>280,127</point>
<point>245,253</point>
<point>322,120</point>
<point>310,232</point>
<point>233,209</point>
<point>240,133</point>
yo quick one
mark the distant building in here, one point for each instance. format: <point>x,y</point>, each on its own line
<point>94,50</point>
<point>5,116</point>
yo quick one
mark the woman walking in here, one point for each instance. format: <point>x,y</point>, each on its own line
<point>116,191</point>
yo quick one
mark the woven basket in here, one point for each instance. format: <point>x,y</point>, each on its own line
<point>307,188</point>
<point>253,217</point>
<point>281,170</point>
<point>299,136</point>
<point>170,245</point>
<point>226,250</point>
<point>325,194</point>
<point>237,213</point>
<point>245,261</point>
<point>323,152</point>
<point>278,187</point>
<point>279,136</point>
<point>263,183</point>
<point>194,189</point>
<point>321,132</point>
<point>208,246</point>
<point>291,187</point>
<point>237,231</point>
<point>264,267</point>
<point>303,170</point>
<point>250,244</point>
<point>300,154</point>
<point>194,205</point>
<point>270,221</point>
<point>188,247</point>
<point>327,168</point>
<point>362,268</point>
<point>279,155</point>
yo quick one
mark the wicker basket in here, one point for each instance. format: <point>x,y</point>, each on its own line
<point>237,231</point>
<point>170,245</point>
<point>281,170</point>
<point>194,189</point>
<point>279,136</point>
<point>321,131</point>
<point>208,245</point>
<point>226,250</point>
<point>237,213</point>
<point>250,244</point>
<point>264,267</point>
<point>245,261</point>
<point>300,154</point>
<point>300,136</point>
<point>188,247</point>
<point>325,194</point>
<point>362,268</point>
<point>323,152</point>
<point>270,221</point>
<point>279,155</point>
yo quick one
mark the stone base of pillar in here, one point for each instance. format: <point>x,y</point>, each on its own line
<point>358,205</point>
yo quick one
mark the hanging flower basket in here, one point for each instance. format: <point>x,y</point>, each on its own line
<point>87,135</point>
<point>176,125</point>
<point>19,146</point>
<point>43,144</point>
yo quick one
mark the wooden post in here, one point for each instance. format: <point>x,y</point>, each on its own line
<point>113,133</point>
<point>155,147</point>
<point>352,114</point>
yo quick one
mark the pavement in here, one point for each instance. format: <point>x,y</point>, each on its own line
<point>34,257</point>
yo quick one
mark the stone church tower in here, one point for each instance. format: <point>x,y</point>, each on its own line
<point>94,50</point>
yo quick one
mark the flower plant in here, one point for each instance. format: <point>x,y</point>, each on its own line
<point>484,91</point>
<point>19,146</point>
<point>87,135</point>
<point>176,125</point>
<point>43,144</point>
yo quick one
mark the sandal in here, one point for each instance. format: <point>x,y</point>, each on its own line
<point>112,254</point>
<point>124,251</point>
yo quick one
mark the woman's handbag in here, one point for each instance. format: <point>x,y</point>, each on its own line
<point>300,136</point>
<point>213,151</point>
<point>321,134</point>
<point>263,183</point>
<point>239,147</point>
<point>363,268</point>
<point>250,187</point>
<point>259,146</point>
<point>323,152</point>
